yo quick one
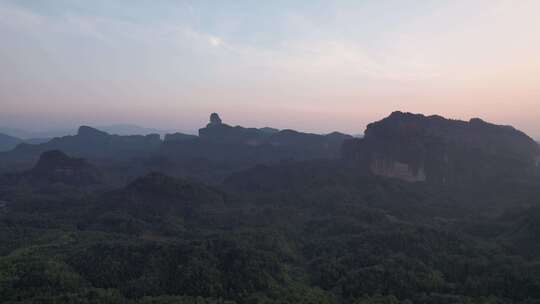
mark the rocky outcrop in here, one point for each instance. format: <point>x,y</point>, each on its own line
<point>414,147</point>
<point>396,169</point>
<point>215,120</point>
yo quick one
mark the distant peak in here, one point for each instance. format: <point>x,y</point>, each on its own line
<point>215,119</point>
<point>477,120</point>
<point>89,131</point>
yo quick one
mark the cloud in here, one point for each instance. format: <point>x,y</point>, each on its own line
<point>215,41</point>
<point>16,17</point>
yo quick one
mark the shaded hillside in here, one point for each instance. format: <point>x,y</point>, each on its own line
<point>310,232</point>
<point>8,142</point>
<point>56,167</point>
<point>156,194</point>
<point>156,202</point>
<point>90,143</point>
<point>415,147</point>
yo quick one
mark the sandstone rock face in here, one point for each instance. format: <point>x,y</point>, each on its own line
<point>397,170</point>
<point>414,147</point>
<point>178,137</point>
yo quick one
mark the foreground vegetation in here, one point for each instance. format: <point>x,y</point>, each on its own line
<point>304,232</point>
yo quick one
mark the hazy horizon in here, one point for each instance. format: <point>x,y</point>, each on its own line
<point>313,66</point>
<point>126,126</point>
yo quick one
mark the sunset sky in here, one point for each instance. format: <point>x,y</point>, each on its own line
<point>314,66</point>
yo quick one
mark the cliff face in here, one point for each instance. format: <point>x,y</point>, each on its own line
<point>396,169</point>
<point>415,147</point>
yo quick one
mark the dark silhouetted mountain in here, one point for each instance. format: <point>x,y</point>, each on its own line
<point>37,141</point>
<point>156,194</point>
<point>130,129</point>
<point>218,132</point>
<point>222,142</point>
<point>178,137</point>
<point>56,167</point>
<point>414,147</point>
<point>12,137</point>
<point>16,132</point>
<point>8,142</point>
<point>268,130</point>
<point>115,129</point>
<point>215,120</point>
<point>25,134</point>
<point>91,143</point>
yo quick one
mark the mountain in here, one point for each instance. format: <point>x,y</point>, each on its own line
<point>218,132</point>
<point>116,129</point>
<point>36,141</point>
<point>285,220</point>
<point>218,150</point>
<point>130,129</point>
<point>24,134</point>
<point>222,142</point>
<point>414,147</point>
<point>159,194</point>
<point>56,167</point>
<point>15,132</point>
<point>91,143</point>
<point>8,142</point>
<point>156,203</point>
<point>174,137</point>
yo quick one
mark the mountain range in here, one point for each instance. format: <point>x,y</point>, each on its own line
<point>422,209</point>
<point>116,129</point>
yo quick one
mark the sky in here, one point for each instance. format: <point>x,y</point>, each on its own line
<point>314,66</point>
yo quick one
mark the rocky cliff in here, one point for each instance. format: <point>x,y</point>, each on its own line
<point>414,147</point>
